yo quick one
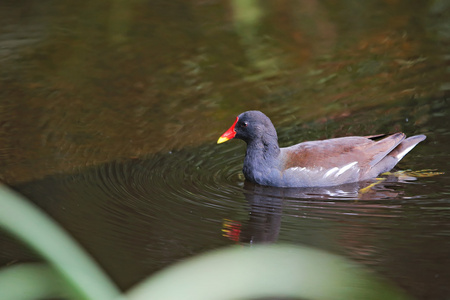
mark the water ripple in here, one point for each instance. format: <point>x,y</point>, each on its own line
<point>211,177</point>
<point>189,180</point>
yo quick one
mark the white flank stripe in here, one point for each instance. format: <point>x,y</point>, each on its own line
<point>331,171</point>
<point>345,168</point>
<point>297,169</point>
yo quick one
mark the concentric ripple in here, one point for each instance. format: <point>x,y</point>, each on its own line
<point>209,176</point>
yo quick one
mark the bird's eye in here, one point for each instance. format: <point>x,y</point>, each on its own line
<point>244,124</point>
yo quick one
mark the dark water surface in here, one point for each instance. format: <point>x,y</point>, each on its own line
<point>110,111</point>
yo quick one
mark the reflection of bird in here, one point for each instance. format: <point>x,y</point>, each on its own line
<point>317,163</point>
<point>268,204</point>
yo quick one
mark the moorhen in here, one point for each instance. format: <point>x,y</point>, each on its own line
<point>317,163</point>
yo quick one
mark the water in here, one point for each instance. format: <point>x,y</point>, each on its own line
<point>110,112</point>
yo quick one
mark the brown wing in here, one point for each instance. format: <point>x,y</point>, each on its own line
<point>340,151</point>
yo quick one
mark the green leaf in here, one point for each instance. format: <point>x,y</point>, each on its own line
<point>26,222</point>
<point>265,271</point>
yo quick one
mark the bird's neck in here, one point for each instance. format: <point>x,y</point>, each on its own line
<point>261,158</point>
<point>263,150</point>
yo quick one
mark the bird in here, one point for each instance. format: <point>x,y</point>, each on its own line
<point>321,163</point>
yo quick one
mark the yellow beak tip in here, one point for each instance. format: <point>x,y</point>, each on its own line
<point>222,140</point>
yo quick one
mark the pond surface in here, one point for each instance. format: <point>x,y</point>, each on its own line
<point>110,112</point>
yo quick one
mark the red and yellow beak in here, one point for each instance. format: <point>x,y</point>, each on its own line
<point>229,134</point>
